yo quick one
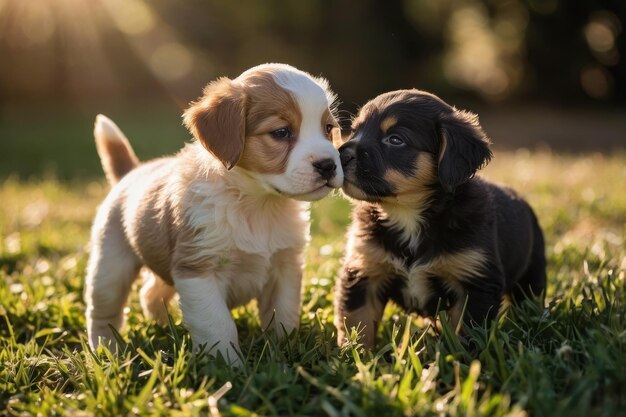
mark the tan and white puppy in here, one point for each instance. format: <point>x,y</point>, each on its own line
<point>225,220</point>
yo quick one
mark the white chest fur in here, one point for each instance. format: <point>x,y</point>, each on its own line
<point>236,235</point>
<point>225,220</point>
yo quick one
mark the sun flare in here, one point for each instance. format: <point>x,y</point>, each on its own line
<point>70,43</point>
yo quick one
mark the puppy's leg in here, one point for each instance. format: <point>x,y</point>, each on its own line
<point>484,297</point>
<point>155,295</point>
<point>111,271</point>
<point>280,302</point>
<point>357,304</point>
<point>533,282</point>
<point>207,316</point>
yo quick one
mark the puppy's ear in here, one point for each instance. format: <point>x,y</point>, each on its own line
<point>339,139</point>
<point>218,120</point>
<point>463,149</point>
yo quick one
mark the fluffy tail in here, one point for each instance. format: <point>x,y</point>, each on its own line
<point>116,155</point>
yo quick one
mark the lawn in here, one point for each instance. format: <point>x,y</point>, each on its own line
<point>569,360</point>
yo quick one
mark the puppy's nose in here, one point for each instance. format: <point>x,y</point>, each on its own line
<point>346,153</point>
<point>326,168</point>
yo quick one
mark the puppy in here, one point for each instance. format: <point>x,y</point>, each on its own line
<point>223,221</point>
<point>426,233</point>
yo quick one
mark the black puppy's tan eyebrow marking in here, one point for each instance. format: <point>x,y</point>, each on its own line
<point>388,123</point>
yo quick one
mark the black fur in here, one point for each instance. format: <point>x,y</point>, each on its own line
<point>460,213</point>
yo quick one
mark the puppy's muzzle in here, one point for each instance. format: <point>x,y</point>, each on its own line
<point>326,168</point>
<point>347,154</point>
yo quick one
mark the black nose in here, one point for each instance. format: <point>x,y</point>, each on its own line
<point>346,153</point>
<point>326,168</point>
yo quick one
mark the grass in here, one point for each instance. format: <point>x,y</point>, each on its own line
<point>568,360</point>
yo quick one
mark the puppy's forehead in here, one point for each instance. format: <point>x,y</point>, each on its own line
<point>400,104</point>
<point>312,95</point>
<point>412,97</point>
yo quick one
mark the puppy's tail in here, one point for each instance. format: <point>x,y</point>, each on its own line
<point>116,155</point>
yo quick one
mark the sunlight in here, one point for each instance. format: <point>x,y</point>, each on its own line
<point>171,61</point>
<point>68,44</point>
<point>132,17</point>
<point>36,22</point>
<point>56,44</point>
<point>159,46</point>
<point>27,23</point>
<point>473,59</point>
<point>485,50</point>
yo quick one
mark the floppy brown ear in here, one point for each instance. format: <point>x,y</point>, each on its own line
<point>218,120</point>
<point>464,148</point>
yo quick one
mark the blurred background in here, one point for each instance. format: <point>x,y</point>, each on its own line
<point>540,73</point>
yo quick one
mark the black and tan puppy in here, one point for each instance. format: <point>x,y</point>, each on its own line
<point>426,233</point>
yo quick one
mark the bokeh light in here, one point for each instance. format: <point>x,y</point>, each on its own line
<point>596,81</point>
<point>486,49</point>
<point>133,17</point>
<point>485,55</point>
<point>171,61</point>
<point>601,34</point>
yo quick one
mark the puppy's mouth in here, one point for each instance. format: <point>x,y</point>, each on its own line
<point>350,185</point>
<point>308,195</point>
<point>353,190</point>
<point>349,182</point>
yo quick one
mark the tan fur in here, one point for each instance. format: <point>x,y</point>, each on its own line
<point>335,134</point>
<point>336,137</point>
<point>116,155</point>
<point>388,123</point>
<point>267,99</point>
<point>218,120</point>
<point>265,154</point>
<point>412,191</point>
<point>411,197</point>
<point>269,108</point>
<point>460,265</point>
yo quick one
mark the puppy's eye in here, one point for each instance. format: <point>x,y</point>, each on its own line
<point>393,140</point>
<point>329,128</point>
<point>282,133</point>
